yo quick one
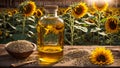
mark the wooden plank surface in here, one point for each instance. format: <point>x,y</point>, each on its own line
<point>73,56</point>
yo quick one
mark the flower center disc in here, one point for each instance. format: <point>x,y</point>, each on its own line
<point>78,10</point>
<point>112,25</point>
<point>101,58</point>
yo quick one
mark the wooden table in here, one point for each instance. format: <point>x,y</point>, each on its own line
<point>76,56</point>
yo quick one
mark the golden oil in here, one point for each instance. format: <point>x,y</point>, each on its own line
<point>50,32</point>
<point>50,54</point>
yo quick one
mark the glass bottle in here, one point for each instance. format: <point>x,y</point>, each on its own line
<point>50,29</point>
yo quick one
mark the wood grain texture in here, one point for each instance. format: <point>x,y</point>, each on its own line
<point>73,56</point>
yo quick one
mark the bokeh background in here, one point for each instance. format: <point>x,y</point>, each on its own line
<point>90,29</point>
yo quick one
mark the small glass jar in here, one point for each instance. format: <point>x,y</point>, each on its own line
<point>50,31</point>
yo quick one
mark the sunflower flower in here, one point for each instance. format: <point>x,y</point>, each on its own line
<point>67,10</point>
<point>108,13</point>
<point>100,5</point>
<point>9,13</point>
<point>60,11</point>
<point>56,29</point>
<point>111,25</point>
<point>38,13</point>
<point>48,29</point>
<point>59,27</point>
<point>101,56</point>
<point>27,8</point>
<point>79,10</point>
<point>14,11</point>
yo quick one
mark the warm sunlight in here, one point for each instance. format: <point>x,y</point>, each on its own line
<point>110,2</point>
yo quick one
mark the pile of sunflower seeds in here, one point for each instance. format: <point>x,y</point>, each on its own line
<point>78,58</point>
<point>19,46</point>
<point>83,62</point>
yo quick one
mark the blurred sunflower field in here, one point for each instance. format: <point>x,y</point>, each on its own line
<point>98,24</point>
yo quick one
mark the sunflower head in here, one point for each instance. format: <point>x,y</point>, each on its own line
<point>117,12</point>
<point>58,27</point>
<point>48,29</point>
<point>38,13</point>
<point>101,56</point>
<point>91,11</point>
<point>111,25</point>
<point>100,5</point>
<point>27,8</point>
<point>67,10</point>
<point>14,11</point>
<point>108,13</point>
<point>79,10</point>
<point>9,13</point>
<point>61,11</point>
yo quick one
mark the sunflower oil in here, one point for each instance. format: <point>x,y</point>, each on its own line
<point>50,31</point>
<point>50,54</point>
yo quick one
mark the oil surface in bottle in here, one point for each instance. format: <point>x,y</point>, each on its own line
<point>50,54</point>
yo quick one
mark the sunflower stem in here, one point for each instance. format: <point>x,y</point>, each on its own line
<point>110,39</point>
<point>99,23</point>
<point>99,17</point>
<point>23,31</point>
<point>4,25</point>
<point>72,29</point>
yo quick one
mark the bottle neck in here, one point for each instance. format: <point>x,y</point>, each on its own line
<point>52,14</point>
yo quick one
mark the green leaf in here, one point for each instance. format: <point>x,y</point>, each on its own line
<point>19,28</point>
<point>84,29</point>
<point>31,26</point>
<point>95,29</point>
<point>103,20</point>
<point>68,24</point>
<point>29,35</point>
<point>31,19</point>
<point>102,33</point>
<point>19,36</point>
<point>67,40</point>
<point>1,19</point>
<point>30,32</point>
<point>19,20</point>
<point>89,23</point>
<point>12,26</point>
<point>79,23</point>
<point>4,41</point>
<point>77,38</point>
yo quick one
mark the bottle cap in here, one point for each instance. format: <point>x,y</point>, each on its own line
<point>51,8</point>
